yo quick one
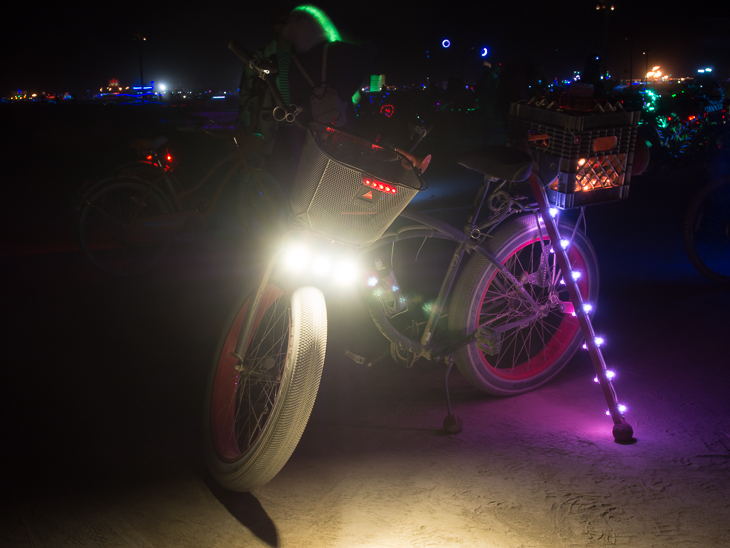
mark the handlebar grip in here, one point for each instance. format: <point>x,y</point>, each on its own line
<point>240,51</point>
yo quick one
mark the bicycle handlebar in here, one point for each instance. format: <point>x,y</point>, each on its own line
<point>281,111</point>
<point>240,52</point>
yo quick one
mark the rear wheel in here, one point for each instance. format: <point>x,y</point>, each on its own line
<point>256,411</point>
<point>707,231</point>
<point>530,354</point>
<point>110,233</point>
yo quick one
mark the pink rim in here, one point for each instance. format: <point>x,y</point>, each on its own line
<point>560,340</point>
<point>225,385</point>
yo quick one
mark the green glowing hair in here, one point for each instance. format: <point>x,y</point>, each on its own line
<point>325,22</point>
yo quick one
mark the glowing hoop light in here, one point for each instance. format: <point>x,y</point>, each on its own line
<point>484,52</point>
<point>446,43</point>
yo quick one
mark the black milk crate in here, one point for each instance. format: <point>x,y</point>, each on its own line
<point>349,189</point>
<point>588,156</point>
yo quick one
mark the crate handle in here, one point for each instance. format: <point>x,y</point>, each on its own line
<point>539,139</point>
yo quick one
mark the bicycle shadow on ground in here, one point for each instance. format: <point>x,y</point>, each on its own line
<point>247,510</point>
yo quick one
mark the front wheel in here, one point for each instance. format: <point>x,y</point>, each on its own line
<point>532,353</point>
<point>111,232</point>
<point>707,231</point>
<point>255,411</point>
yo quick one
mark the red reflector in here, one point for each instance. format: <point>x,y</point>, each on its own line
<point>368,195</point>
<point>149,157</point>
<point>377,185</point>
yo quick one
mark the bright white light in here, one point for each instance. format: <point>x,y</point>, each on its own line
<point>321,266</point>
<point>595,379</point>
<point>576,274</point>
<point>161,87</point>
<point>345,272</point>
<point>562,281</point>
<point>372,281</point>
<point>394,288</point>
<point>564,243</point>
<point>622,408</point>
<point>296,258</point>
<point>553,211</point>
<point>587,307</point>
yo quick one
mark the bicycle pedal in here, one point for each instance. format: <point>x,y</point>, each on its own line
<point>358,359</point>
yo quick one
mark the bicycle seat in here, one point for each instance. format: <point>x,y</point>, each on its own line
<point>148,144</point>
<point>502,162</point>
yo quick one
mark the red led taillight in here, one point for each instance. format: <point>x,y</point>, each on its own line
<point>378,185</point>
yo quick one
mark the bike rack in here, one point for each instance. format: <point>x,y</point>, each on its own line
<point>622,430</point>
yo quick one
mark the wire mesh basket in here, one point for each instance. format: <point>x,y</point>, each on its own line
<point>587,157</point>
<point>349,189</point>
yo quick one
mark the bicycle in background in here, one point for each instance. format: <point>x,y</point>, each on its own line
<point>707,231</point>
<point>127,221</point>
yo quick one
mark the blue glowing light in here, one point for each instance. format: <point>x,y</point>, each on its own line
<point>446,43</point>
<point>484,52</point>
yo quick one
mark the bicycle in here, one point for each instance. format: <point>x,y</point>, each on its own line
<point>126,221</point>
<point>516,311</point>
<point>707,231</point>
<point>683,130</point>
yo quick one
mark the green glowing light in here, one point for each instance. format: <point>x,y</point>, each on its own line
<point>329,28</point>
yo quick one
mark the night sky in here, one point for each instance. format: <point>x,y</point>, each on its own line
<point>79,46</point>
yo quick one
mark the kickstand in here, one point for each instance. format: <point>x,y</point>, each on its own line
<point>452,423</point>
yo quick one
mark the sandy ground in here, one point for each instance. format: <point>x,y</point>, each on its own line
<point>101,395</point>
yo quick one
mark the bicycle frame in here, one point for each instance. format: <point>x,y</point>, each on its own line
<point>467,241</point>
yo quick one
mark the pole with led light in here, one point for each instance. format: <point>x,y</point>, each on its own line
<point>622,430</point>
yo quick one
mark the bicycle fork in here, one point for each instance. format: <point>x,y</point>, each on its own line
<point>622,430</point>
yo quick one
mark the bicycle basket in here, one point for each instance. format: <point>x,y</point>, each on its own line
<point>588,156</point>
<point>349,189</point>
